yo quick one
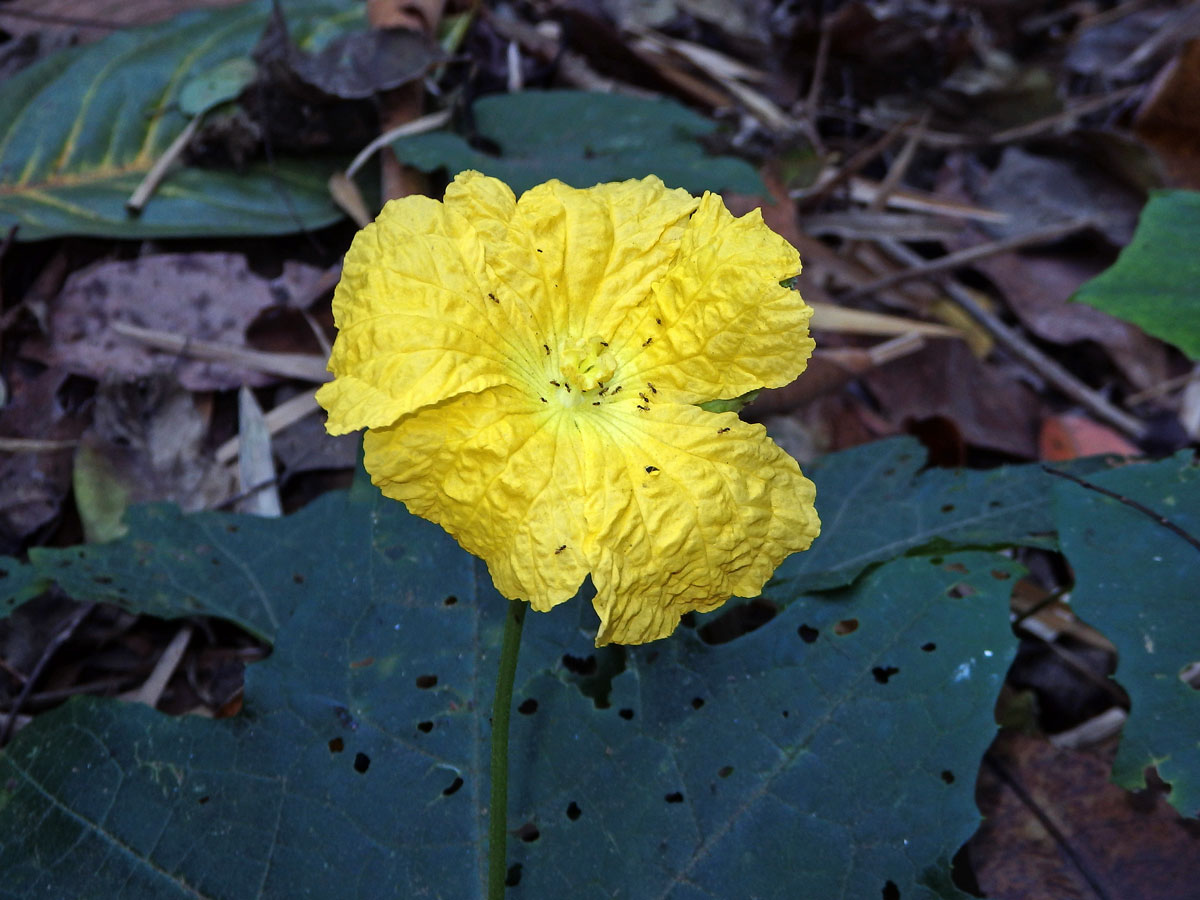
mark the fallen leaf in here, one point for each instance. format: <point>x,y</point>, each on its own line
<point>1055,827</point>
<point>146,443</point>
<point>206,296</point>
<point>991,409</point>
<point>1169,117</point>
<point>33,484</point>
<point>1072,436</point>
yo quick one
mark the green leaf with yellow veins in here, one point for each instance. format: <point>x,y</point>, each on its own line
<point>84,126</point>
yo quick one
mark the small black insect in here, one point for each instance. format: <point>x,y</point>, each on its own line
<point>722,430</point>
<point>647,342</point>
<point>560,549</point>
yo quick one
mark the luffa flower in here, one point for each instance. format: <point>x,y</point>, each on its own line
<point>528,372</point>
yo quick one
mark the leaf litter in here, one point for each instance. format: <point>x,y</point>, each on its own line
<point>888,136</point>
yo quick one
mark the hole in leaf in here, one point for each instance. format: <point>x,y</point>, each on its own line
<point>450,601</point>
<point>424,727</point>
<point>947,776</point>
<point>846,626</point>
<point>807,633</point>
<point>424,682</point>
<point>960,590</point>
<point>573,811</point>
<point>513,877</point>
<point>1190,675</point>
<point>593,674</point>
<point>579,666</point>
<point>674,797</point>
<point>528,707</point>
<point>625,714</point>
<point>453,787</point>
<point>725,771</point>
<point>883,673</point>
<point>362,762</point>
<point>890,891</point>
<point>1001,575</point>
<point>738,620</point>
<point>528,833</point>
<point>697,702</point>
<point>929,646</point>
<point>337,745</point>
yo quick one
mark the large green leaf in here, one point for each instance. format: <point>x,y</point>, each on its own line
<point>877,503</point>
<point>583,138</point>
<point>1153,282</point>
<point>828,753</point>
<point>84,126</point>
<point>1136,580</point>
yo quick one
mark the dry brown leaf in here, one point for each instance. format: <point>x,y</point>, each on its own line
<point>1055,827</point>
<point>991,409</point>
<point>206,296</point>
<point>1169,118</point>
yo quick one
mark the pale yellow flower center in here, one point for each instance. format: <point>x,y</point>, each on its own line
<point>584,372</point>
<point>587,364</point>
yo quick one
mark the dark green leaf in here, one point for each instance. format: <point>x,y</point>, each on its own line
<point>84,126</point>
<point>582,139</point>
<point>1136,581</point>
<point>1153,282</point>
<point>807,758</point>
<point>876,503</point>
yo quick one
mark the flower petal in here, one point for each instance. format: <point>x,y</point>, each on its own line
<point>686,508</point>
<point>500,476</point>
<point>577,261</point>
<point>721,324</point>
<point>415,321</point>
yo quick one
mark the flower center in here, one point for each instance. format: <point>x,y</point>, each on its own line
<point>587,364</point>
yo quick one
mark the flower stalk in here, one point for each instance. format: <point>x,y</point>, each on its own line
<point>514,621</point>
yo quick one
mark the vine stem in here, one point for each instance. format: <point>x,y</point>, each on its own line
<point>501,712</point>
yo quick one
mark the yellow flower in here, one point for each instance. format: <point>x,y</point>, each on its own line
<point>528,373</point>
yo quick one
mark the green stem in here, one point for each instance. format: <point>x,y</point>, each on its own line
<point>501,711</point>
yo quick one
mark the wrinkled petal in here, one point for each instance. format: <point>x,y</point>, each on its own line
<point>573,263</point>
<point>503,478</point>
<point>684,509</point>
<point>720,323</point>
<point>415,322</point>
<point>527,370</point>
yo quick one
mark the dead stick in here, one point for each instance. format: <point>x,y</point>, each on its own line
<point>50,649</point>
<point>1043,365</point>
<point>811,196</point>
<point>925,268</point>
